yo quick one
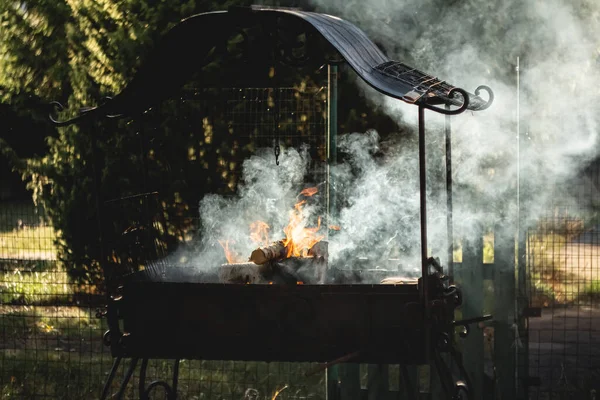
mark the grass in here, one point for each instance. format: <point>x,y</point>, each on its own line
<point>25,233</point>
<point>33,287</point>
<point>592,290</point>
<point>562,271</point>
<point>28,243</point>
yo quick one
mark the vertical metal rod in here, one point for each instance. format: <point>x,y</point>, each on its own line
<point>521,265</point>
<point>142,382</point>
<point>332,124</point>
<point>518,262</point>
<point>423,203</point>
<point>175,379</point>
<point>126,379</point>
<point>518,146</point>
<point>449,205</point>
<point>332,374</point>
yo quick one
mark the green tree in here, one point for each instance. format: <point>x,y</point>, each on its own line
<point>77,53</point>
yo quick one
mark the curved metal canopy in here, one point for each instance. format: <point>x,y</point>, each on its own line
<point>197,40</point>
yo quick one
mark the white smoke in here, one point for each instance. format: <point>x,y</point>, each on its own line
<point>467,43</point>
<point>266,192</point>
<point>474,42</point>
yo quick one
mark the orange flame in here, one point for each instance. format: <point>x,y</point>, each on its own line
<point>309,191</point>
<point>259,233</point>
<point>231,256</point>
<point>298,238</point>
<point>335,227</point>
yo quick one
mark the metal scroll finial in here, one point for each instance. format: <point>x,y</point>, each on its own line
<point>490,99</point>
<point>451,95</point>
<point>466,101</point>
<point>58,107</point>
<point>83,112</point>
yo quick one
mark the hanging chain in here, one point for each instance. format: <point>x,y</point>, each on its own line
<point>277,149</point>
<point>277,152</point>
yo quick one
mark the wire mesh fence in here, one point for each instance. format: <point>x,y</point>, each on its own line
<point>51,334</point>
<point>50,342</point>
<point>564,276</point>
<point>51,326</point>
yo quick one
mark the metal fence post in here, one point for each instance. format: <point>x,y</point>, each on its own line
<point>504,301</point>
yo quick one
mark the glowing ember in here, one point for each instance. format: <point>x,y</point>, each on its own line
<point>278,391</point>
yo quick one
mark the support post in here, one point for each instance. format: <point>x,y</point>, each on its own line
<point>343,381</point>
<point>332,125</point>
<point>522,296</point>
<point>470,278</point>
<point>449,206</point>
<point>423,204</point>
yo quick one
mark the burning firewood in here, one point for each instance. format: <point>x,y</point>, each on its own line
<point>319,250</point>
<point>262,255</point>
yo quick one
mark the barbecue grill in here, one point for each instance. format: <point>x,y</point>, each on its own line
<point>171,312</point>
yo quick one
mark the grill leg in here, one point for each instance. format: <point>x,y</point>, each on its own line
<point>171,391</point>
<point>175,379</point>
<point>444,375</point>
<point>452,390</point>
<point>127,377</point>
<point>142,383</point>
<point>407,381</point>
<point>110,378</point>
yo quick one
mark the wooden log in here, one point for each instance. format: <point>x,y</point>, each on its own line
<point>320,254</point>
<point>320,250</point>
<point>307,270</point>
<point>399,280</point>
<point>245,273</point>
<point>263,255</point>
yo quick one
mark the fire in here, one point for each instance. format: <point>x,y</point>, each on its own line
<point>231,256</point>
<point>259,233</point>
<point>298,238</point>
<point>309,191</point>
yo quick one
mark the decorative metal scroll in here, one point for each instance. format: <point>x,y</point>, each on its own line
<point>288,36</point>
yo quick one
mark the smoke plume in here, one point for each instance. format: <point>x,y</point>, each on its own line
<point>467,43</point>
<point>474,42</point>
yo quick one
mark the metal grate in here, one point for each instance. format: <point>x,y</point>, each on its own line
<point>422,83</point>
